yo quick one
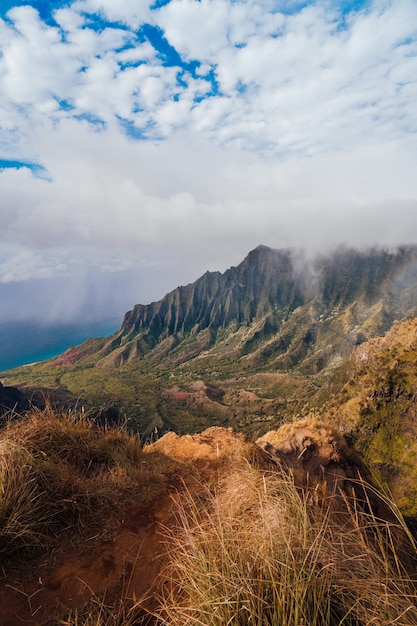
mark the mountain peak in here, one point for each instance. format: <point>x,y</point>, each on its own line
<point>261,249</point>
<point>278,307</point>
<point>262,252</point>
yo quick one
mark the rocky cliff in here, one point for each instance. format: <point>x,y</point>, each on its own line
<point>278,306</point>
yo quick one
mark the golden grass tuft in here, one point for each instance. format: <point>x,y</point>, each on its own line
<point>22,498</point>
<point>257,552</point>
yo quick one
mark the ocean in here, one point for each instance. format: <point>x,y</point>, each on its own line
<point>26,342</point>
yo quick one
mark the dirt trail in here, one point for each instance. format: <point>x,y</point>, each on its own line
<point>128,564</point>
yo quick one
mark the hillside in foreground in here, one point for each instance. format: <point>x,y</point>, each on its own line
<point>199,529</point>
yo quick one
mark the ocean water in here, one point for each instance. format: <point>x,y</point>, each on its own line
<point>23,342</point>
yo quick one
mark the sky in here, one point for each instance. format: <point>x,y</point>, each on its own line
<point>142,143</point>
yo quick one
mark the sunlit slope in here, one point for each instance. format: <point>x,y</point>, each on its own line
<point>377,408</point>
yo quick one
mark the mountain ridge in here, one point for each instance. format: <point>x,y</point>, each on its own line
<point>264,291</point>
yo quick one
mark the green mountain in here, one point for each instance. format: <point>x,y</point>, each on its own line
<point>247,348</point>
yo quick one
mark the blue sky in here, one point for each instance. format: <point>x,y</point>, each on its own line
<point>165,138</point>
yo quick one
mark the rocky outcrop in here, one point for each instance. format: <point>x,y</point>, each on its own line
<point>12,401</point>
<point>317,455</point>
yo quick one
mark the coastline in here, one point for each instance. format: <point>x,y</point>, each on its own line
<point>24,344</point>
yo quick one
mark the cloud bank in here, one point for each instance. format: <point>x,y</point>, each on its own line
<point>167,138</point>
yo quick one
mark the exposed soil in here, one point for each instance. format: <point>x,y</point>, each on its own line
<point>128,564</point>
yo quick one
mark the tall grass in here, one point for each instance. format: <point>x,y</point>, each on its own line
<point>60,475</point>
<point>258,552</point>
<point>97,612</point>
<point>22,498</point>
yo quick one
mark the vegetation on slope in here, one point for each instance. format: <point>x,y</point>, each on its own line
<point>258,552</point>
<point>61,476</point>
<point>376,408</point>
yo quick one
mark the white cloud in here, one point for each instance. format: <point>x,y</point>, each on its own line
<point>25,264</point>
<point>109,193</point>
<point>132,12</point>
<point>201,30</point>
<point>298,83</point>
<point>35,63</point>
<point>293,128</point>
<point>198,30</point>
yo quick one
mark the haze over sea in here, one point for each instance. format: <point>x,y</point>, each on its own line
<point>25,342</point>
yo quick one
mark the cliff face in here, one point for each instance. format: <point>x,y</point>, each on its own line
<point>276,306</point>
<point>274,280</point>
<point>264,281</point>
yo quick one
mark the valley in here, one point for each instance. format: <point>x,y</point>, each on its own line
<point>278,338</point>
<point>265,342</point>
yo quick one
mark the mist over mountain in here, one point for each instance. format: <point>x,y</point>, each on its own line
<point>277,308</point>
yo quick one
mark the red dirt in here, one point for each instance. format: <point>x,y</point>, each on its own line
<point>130,560</point>
<point>128,564</point>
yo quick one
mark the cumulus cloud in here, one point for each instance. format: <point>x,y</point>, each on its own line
<point>183,134</point>
<point>107,192</point>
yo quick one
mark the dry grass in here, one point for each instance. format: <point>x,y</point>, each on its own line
<point>97,612</point>
<point>257,552</point>
<point>252,550</point>
<point>60,474</point>
<point>22,499</point>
